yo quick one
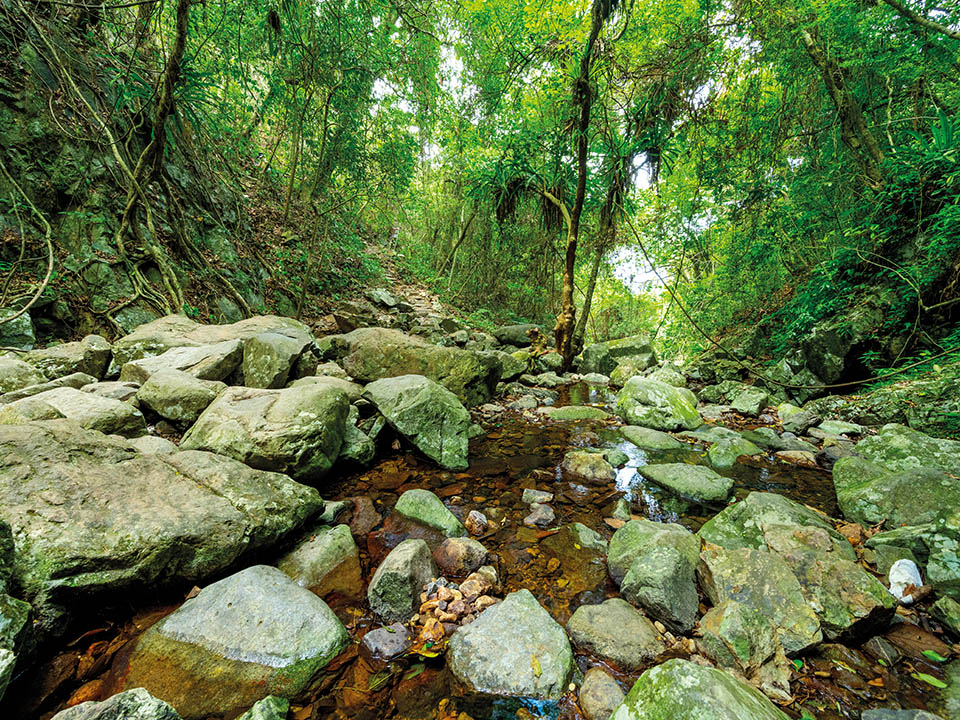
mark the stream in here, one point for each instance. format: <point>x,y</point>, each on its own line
<point>518,450</point>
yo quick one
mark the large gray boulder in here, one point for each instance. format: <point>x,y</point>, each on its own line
<point>207,362</point>
<point>15,374</point>
<point>136,704</point>
<point>656,405</point>
<point>74,380</point>
<point>90,356</point>
<point>158,336</point>
<point>683,689</point>
<point>604,357</point>
<point>649,439</point>
<point>425,413</point>
<point>370,354</point>
<point>93,517</point>
<point>897,447</point>
<point>394,591</point>
<point>615,632</point>
<point>253,634</point>
<point>298,431</point>
<point>516,335</point>
<point>177,395</point>
<point>513,649</point>
<point>269,357</point>
<point>695,482</point>
<point>88,410</point>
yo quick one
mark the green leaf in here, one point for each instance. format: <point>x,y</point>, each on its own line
<point>379,679</point>
<point>934,655</point>
<point>797,663</point>
<point>929,680</point>
<point>414,671</point>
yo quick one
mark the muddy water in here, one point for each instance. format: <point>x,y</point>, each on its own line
<point>518,452</point>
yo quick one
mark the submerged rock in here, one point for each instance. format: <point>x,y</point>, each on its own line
<point>650,439</point>
<point>513,649</point>
<point>682,689</point>
<point>297,430</point>
<point>657,405</point>
<point>696,482</point>
<point>615,632</point>
<point>253,634</point>
<point>428,415</point>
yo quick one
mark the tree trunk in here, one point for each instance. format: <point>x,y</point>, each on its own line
<point>582,99</point>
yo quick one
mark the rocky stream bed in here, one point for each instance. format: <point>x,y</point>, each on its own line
<point>421,521</point>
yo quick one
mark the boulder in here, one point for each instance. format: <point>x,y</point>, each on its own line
<point>271,707</point>
<point>724,453</point>
<point>86,409</point>
<point>587,466</point>
<point>668,376</point>
<point>352,390</point>
<point>599,694</point>
<point>394,591</point>
<point>16,374</point>
<point>136,704</point>
<point>18,332</point>
<point>514,649</point>
<point>648,439</point>
<point>298,431</point>
<point>459,556</point>
<point>253,634</point>
<point>93,517</point>
<point>764,583</point>
<point>516,335</point>
<point>870,494</point>
<point>745,524</point>
<point>683,689</point>
<point>738,638</point>
<point>511,367</point>
<point>639,534</point>
<point>178,396</point>
<point>268,358</point>
<point>370,354</point>
<point>661,581</point>
<point>695,482</point>
<point>574,413</point>
<point>326,561</point>
<point>426,414</point>
<point>206,362</point>
<point>76,381</point>
<point>162,334</point>
<point>897,447</point>
<point>615,633</point>
<point>357,446</point>
<point>748,399</point>
<point>656,405</point>
<point>604,357</point>
<point>90,356</point>
<point>427,509</point>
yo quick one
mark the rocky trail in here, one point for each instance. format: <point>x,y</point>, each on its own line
<point>391,515</point>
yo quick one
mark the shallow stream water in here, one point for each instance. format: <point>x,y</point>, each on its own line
<point>519,451</point>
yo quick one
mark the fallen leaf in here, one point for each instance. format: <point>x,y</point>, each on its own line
<point>538,671</point>
<point>929,680</point>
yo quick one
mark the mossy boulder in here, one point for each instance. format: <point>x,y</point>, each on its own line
<point>90,356</point>
<point>683,689</point>
<point>657,405</point>
<point>640,534</point>
<point>394,591</point>
<point>604,357</point>
<point>427,509</point>
<point>695,482</point>
<point>178,396</point>
<point>426,414</point>
<point>253,634</point>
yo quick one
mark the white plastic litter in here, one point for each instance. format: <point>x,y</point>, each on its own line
<point>904,573</point>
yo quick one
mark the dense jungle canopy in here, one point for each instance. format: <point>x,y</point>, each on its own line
<point>616,165</point>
